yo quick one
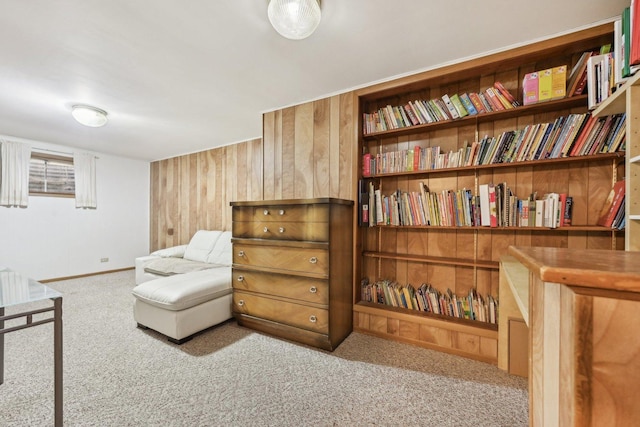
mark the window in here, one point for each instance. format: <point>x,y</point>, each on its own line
<point>51,175</point>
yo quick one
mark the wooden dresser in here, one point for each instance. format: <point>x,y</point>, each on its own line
<point>293,269</point>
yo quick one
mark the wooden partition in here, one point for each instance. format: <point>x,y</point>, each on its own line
<point>310,150</point>
<point>193,192</point>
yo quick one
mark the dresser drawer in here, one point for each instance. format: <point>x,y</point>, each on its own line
<point>282,230</point>
<point>301,316</point>
<point>280,213</point>
<point>296,287</point>
<point>295,259</point>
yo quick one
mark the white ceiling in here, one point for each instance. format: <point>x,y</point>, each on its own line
<point>183,76</point>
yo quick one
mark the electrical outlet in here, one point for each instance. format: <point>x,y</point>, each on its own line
<point>104,259</point>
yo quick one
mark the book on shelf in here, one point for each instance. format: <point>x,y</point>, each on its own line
<point>545,83</point>
<point>477,102</point>
<point>453,113</point>
<point>468,105</point>
<point>505,93</point>
<point>530,88</point>
<point>599,79</point>
<point>619,76</point>
<point>578,77</point>
<point>494,101</point>
<point>612,205</point>
<point>363,204</point>
<point>559,82</point>
<point>457,103</point>
<point>568,211</point>
<point>634,53</point>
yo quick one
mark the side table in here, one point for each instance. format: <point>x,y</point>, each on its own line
<point>17,289</point>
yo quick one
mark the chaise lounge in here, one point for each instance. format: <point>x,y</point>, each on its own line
<point>185,289</point>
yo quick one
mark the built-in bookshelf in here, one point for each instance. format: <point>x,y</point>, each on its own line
<point>461,257</point>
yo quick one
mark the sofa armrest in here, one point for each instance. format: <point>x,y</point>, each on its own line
<point>141,263</point>
<point>174,251</point>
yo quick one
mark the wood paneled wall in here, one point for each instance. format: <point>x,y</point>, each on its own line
<point>307,151</point>
<point>310,149</point>
<point>192,192</point>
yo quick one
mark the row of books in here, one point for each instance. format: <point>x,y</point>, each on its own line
<point>544,85</point>
<point>446,107</point>
<point>612,214</point>
<point>494,206</point>
<point>568,136</point>
<point>428,299</point>
<point>600,78</point>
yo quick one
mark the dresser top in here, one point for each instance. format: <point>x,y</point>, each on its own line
<point>321,200</point>
<point>590,268</point>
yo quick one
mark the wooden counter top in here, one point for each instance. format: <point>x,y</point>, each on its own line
<point>590,268</point>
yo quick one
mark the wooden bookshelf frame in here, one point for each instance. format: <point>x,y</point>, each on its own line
<point>470,255</point>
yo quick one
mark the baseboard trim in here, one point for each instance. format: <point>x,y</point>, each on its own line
<point>57,279</point>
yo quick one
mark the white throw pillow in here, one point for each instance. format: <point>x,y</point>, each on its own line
<point>201,245</point>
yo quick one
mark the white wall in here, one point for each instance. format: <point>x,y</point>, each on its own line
<point>52,239</point>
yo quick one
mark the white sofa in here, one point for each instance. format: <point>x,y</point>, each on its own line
<point>184,289</point>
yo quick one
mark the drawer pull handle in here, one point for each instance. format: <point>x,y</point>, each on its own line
<point>240,278</point>
<point>313,289</point>
<point>313,319</point>
<point>281,229</point>
<point>281,212</point>
<point>265,212</point>
<point>266,230</point>
<point>313,260</point>
<point>241,253</point>
<point>241,302</point>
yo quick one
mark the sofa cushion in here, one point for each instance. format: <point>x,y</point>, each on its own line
<point>183,291</point>
<point>201,245</point>
<point>222,252</point>
<point>170,266</point>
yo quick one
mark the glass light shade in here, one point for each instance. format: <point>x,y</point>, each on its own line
<point>89,116</point>
<point>294,19</point>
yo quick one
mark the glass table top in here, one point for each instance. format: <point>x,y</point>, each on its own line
<point>16,288</point>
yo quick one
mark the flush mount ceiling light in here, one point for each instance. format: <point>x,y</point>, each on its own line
<point>89,116</point>
<point>294,19</point>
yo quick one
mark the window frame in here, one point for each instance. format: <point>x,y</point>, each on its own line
<point>37,155</point>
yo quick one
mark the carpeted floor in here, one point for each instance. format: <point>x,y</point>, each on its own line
<point>118,375</point>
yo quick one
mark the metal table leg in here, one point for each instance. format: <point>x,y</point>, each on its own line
<point>57,363</point>
<point>1,347</point>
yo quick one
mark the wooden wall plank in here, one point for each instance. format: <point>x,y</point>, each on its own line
<point>268,146</point>
<point>303,158</point>
<point>288,171</point>
<point>321,160</point>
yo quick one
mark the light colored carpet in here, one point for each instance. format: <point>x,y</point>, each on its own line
<point>118,375</point>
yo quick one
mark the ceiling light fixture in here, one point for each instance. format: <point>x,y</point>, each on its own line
<point>89,116</point>
<point>294,19</point>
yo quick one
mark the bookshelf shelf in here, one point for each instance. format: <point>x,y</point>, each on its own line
<point>569,229</point>
<point>466,258</point>
<point>440,317</point>
<point>433,259</point>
